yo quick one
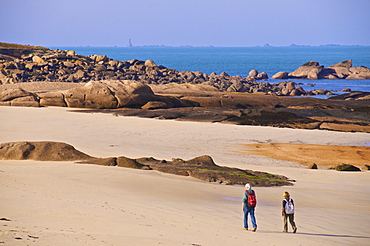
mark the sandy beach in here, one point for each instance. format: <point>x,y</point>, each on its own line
<point>64,203</point>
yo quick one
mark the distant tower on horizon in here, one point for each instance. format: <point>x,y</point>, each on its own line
<point>129,43</point>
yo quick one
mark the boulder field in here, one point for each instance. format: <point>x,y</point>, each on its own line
<point>19,63</point>
<point>202,167</point>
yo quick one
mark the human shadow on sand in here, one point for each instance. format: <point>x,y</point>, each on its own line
<point>319,234</point>
<point>332,235</point>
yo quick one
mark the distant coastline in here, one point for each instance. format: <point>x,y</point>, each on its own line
<point>207,46</point>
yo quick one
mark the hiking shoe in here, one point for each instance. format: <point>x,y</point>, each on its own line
<point>254,229</point>
<point>246,229</point>
<point>295,230</point>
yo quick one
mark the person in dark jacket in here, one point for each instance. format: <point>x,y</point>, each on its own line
<point>288,212</point>
<point>247,209</point>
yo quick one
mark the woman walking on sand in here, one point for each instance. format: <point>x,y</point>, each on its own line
<point>249,204</point>
<point>288,212</point>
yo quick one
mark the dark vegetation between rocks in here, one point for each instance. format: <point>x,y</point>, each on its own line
<point>201,167</point>
<point>346,167</point>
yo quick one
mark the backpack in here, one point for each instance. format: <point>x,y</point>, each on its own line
<point>289,207</point>
<point>252,202</point>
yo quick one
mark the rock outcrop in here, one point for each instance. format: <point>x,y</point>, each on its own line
<point>347,112</point>
<point>312,166</point>
<point>309,70</point>
<point>10,52</point>
<point>280,75</point>
<point>288,88</point>
<point>339,70</point>
<point>360,96</point>
<point>201,167</point>
<point>255,109</point>
<point>346,167</point>
<point>41,151</point>
<point>359,73</point>
<point>94,94</point>
<point>204,168</point>
<point>344,70</point>
<point>18,97</point>
<point>313,70</point>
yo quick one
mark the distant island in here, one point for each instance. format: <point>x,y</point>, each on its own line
<point>267,45</point>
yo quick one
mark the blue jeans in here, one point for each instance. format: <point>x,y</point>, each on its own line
<point>249,210</point>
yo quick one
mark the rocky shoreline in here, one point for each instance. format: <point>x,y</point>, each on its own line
<point>202,103</point>
<point>37,77</point>
<point>19,64</point>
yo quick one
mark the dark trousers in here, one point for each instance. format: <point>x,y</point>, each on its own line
<point>291,221</point>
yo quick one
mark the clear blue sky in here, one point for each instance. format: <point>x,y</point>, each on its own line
<point>185,22</point>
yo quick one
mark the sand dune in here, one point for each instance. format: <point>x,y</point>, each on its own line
<point>63,203</point>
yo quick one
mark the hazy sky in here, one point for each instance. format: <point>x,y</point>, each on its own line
<point>185,22</point>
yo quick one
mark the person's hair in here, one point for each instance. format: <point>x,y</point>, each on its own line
<point>286,194</point>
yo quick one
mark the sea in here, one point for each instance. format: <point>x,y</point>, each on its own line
<point>240,60</point>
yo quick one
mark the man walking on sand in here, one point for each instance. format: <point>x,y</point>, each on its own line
<point>249,203</point>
